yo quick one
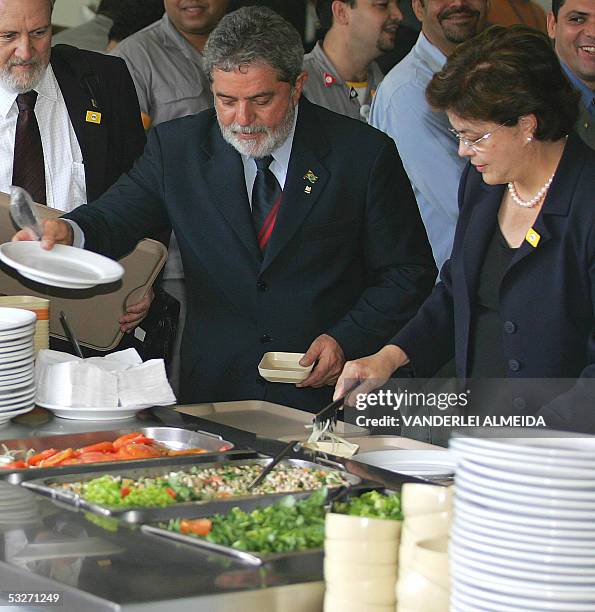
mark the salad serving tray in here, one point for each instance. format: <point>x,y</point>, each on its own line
<point>153,514</point>
<point>174,438</point>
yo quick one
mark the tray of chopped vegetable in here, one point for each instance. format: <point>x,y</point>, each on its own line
<point>170,491</point>
<point>30,458</point>
<point>256,532</point>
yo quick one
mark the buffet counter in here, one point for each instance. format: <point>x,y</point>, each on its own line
<point>46,547</point>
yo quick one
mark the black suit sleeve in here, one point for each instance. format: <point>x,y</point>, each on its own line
<point>132,209</point>
<point>398,261</point>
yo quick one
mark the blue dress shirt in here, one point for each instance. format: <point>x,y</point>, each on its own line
<point>427,148</point>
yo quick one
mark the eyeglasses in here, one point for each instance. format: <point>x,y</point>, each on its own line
<point>475,145</point>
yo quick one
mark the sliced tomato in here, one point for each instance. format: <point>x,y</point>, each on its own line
<point>171,492</point>
<point>57,458</point>
<point>186,451</point>
<point>99,447</point>
<point>72,461</point>
<point>35,459</point>
<point>97,457</point>
<point>119,442</point>
<point>200,527</point>
<point>136,451</point>
<point>124,491</point>
<point>142,440</point>
<point>15,465</point>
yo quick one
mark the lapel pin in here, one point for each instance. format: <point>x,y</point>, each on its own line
<point>533,238</point>
<point>307,189</point>
<point>329,79</point>
<point>310,176</point>
<point>93,117</point>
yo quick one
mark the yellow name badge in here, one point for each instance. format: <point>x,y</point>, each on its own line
<point>93,117</point>
<point>533,238</point>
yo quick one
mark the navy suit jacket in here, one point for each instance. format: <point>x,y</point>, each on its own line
<point>547,296</point>
<point>96,82</point>
<point>349,255</point>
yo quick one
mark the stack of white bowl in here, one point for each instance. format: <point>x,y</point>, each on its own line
<point>17,357</point>
<point>360,563</point>
<point>523,537</point>
<point>424,581</point>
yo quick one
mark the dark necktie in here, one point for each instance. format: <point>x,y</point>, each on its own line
<point>28,171</point>
<point>266,200</point>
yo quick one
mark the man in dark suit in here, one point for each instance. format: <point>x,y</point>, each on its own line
<point>298,227</point>
<point>70,124</point>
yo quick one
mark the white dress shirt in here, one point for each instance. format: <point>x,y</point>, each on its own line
<point>63,158</point>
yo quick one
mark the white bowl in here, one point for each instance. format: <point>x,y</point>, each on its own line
<point>283,367</point>
<point>345,527</point>
<point>417,498</point>
<point>335,604</point>
<point>345,571</point>
<point>378,591</point>
<point>430,559</point>
<point>421,594</point>
<point>357,551</point>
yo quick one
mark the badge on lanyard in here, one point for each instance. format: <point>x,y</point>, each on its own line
<point>93,117</point>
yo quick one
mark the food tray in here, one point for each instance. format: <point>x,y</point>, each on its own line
<point>247,505</point>
<point>173,437</point>
<point>179,510</point>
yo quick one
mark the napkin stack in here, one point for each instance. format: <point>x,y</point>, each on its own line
<point>118,379</point>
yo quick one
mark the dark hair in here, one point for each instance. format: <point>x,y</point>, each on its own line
<point>324,10</point>
<point>503,74</point>
<point>251,35</point>
<point>134,15</point>
<point>109,8</point>
<point>556,6</point>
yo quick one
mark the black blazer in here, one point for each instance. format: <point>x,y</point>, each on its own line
<point>96,82</point>
<point>349,255</point>
<point>547,296</point>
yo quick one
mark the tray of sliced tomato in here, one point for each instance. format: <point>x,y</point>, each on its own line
<point>28,458</point>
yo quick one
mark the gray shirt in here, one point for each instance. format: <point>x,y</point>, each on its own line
<point>92,35</point>
<point>325,87</point>
<point>167,72</point>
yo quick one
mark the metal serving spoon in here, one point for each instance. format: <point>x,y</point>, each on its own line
<point>23,212</point>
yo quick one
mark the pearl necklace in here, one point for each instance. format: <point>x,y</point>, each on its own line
<point>534,200</point>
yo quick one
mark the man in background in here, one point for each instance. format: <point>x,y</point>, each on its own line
<point>571,24</point>
<point>92,35</point>
<point>342,73</point>
<point>428,150</point>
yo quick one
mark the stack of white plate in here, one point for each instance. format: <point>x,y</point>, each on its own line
<point>523,536</point>
<point>17,363</point>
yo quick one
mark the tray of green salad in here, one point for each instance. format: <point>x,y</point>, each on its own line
<point>257,534</point>
<point>177,491</point>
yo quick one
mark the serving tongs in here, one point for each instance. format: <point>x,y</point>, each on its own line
<point>294,446</point>
<point>326,419</point>
<point>22,211</point>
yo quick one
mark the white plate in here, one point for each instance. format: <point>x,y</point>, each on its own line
<point>411,462</point>
<point>26,335</point>
<point>525,510</point>
<point>10,366</point>
<point>7,358</point>
<point>12,374</point>
<point>92,414</point>
<point>566,587</point>
<point>501,601</point>
<point>14,318</point>
<point>524,525</point>
<point>545,555</point>
<point>529,480</point>
<point>15,344</point>
<point>559,444</point>
<point>21,346</point>
<point>16,382</point>
<point>486,478</point>
<point>22,403</point>
<point>543,544</point>
<point>8,394</point>
<point>5,417</point>
<point>63,266</point>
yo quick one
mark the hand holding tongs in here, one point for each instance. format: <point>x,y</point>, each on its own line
<point>293,445</point>
<point>23,212</point>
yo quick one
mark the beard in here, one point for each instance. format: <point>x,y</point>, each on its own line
<point>271,140</point>
<point>22,83</point>
<point>460,32</point>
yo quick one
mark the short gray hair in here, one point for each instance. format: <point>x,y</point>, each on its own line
<point>252,35</point>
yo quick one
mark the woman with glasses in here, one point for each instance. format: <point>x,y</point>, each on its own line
<point>516,299</point>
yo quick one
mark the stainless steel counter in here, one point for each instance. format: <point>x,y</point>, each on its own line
<point>45,547</point>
